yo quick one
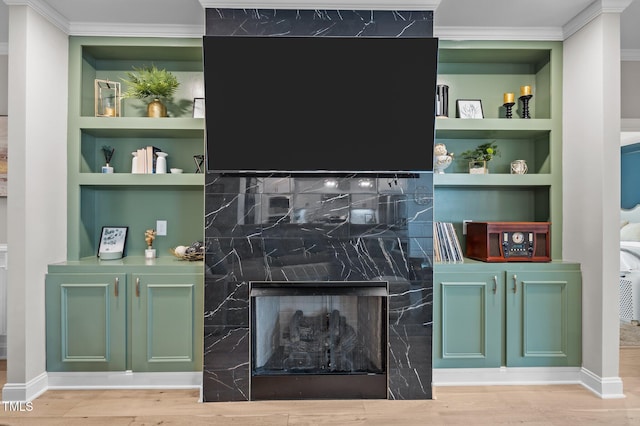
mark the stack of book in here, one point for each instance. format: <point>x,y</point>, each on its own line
<point>446,246</point>
<point>146,159</point>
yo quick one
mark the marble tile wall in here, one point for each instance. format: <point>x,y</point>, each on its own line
<point>317,228</point>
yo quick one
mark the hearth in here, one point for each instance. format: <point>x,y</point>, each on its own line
<point>318,340</point>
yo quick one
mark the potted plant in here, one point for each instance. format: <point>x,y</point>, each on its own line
<point>480,156</point>
<point>151,82</point>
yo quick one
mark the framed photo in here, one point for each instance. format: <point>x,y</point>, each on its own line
<point>469,108</point>
<point>112,242</point>
<point>198,107</point>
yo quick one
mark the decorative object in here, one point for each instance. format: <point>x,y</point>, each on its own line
<point>149,236</point>
<point>442,100</point>
<point>199,160</point>
<point>112,242</point>
<point>469,108</point>
<point>525,96</point>
<point>176,171</point>
<point>480,156</point>
<point>198,107</point>
<point>509,103</point>
<point>478,167</point>
<point>108,154</point>
<point>441,158</point>
<point>107,98</point>
<point>152,82</point>
<point>193,252</point>
<point>519,167</point>
<point>134,162</point>
<point>161,162</point>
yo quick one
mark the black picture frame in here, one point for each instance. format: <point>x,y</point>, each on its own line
<point>469,108</point>
<point>113,241</point>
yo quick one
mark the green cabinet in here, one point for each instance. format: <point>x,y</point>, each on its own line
<point>139,318</point>
<point>86,322</point>
<point>493,315</point>
<point>489,315</point>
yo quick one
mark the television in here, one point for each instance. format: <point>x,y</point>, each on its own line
<point>319,104</point>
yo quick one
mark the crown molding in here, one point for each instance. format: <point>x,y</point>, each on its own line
<point>49,13</point>
<point>323,4</point>
<point>498,33</point>
<point>592,11</point>
<point>135,30</point>
<point>630,55</point>
<point>4,48</point>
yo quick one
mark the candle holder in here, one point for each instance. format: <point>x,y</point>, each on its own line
<point>509,107</point>
<point>525,105</point>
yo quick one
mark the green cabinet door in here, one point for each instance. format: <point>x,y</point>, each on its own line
<point>467,316</point>
<point>86,322</point>
<point>543,318</point>
<point>166,322</point>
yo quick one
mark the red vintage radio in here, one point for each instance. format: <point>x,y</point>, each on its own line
<point>509,241</point>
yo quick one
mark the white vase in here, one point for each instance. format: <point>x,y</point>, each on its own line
<point>161,163</point>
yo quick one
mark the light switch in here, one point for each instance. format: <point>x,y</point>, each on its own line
<point>161,227</point>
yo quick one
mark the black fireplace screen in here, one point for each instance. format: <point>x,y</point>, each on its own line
<point>307,329</point>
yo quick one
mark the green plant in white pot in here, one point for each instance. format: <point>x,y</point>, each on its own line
<point>151,82</point>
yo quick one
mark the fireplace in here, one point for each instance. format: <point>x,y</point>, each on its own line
<point>318,340</point>
<point>353,245</point>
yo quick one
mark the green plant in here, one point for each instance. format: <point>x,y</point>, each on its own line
<point>484,152</point>
<point>146,82</point>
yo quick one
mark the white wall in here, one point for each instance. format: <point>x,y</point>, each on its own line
<point>630,100</point>
<point>591,188</point>
<point>38,74</point>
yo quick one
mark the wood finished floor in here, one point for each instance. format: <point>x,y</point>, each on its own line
<point>492,405</point>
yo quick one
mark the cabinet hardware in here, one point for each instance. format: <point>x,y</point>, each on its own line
<point>117,282</point>
<point>495,284</point>
<point>137,286</point>
<point>515,283</point>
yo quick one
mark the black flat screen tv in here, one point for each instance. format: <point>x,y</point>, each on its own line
<point>319,104</point>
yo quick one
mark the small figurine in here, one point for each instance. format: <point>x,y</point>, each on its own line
<point>149,236</point>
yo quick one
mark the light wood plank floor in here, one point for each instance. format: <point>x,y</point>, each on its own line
<point>496,405</point>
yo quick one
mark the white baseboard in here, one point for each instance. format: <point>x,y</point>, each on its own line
<point>25,392</point>
<point>125,380</point>
<point>605,388</point>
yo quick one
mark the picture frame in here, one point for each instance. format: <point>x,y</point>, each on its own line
<point>469,108</point>
<point>113,241</point>
<point>198,107</point>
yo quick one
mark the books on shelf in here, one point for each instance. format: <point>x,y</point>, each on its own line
<point>446,246</point>
<point>146,159</point>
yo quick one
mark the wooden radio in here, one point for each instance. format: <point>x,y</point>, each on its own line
<point>509,241</point>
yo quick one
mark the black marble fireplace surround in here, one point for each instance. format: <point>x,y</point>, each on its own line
<point>307,228</point>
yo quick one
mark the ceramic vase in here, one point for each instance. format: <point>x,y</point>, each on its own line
<point>156,109</point>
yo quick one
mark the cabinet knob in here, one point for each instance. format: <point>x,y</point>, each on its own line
<point>515,283</point>
<point>116,284</point>
<point>137,286</point>
<point>495,284</point>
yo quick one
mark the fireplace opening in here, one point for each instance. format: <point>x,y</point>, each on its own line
<point>314,340</point>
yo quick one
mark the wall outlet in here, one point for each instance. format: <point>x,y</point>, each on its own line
<point>464,226</point>
<point>161,227</point>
